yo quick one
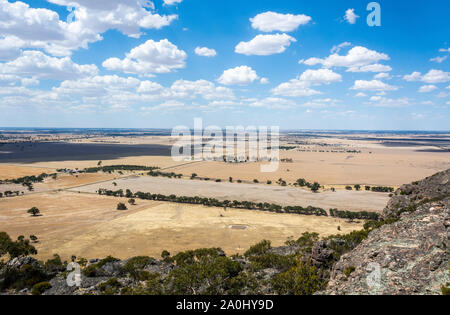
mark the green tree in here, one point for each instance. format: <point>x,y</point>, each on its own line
<point>121,206</point>
<point>34,239</point>
<point>20,248</point>
<point>5,243</point>
<point>315,187</point>
<point>34,211</point>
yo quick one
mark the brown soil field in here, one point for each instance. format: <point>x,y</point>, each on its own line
<point>9,171</point>
<point>382,167</point>
<point>289,196</point>
<point>88,226</point>
<point>63,181</point>
<point>159,161</point>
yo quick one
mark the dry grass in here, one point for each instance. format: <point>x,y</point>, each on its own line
<point>287,196</point>
<point>16,171</point>
<point>89,226</point>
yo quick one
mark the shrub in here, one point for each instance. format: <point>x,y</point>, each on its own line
<point>303,279</point>
<point>25,277</point>
<point>91,271</point>
<point>305,242</point>
<point>110,287</point>
<point>19,248</point>
<point>258,249</point>
<point>207,275</point>
<point>54,264</point>
<point>121,206</point>
<point>446,289</point>
<point>5,243</point>
<point>40,288</point>
<point>134,266</point>
<point>349,270</point>
<point>165,254</point>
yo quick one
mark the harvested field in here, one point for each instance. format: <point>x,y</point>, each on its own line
<point>286,196</point>
<point>334,169</point>
<point>11,171</point>
<point>89,226</point>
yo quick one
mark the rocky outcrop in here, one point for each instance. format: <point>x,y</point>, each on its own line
<point>321,255</point>
<point>409,256</point>
<point>408,197</point>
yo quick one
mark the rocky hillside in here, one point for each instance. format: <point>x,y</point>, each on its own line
<point>409,197</point>
<point>409,256</point>
<point>405,253</point>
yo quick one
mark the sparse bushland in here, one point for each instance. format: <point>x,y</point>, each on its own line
<point>93,270</point>
<point>303,266</point>
<point>303,279</point>
<point>15,249</point>
<point>194,272</point>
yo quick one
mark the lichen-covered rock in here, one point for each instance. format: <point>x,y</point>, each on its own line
<point>321,254</point>
<point>406,257</point>
<point>408,197</point>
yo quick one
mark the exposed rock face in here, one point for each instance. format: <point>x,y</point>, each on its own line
<point>409,196</point>
<point>410,256</point>
<point>321,254</point>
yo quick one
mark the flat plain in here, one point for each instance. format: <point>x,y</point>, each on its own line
<point>77,221</point>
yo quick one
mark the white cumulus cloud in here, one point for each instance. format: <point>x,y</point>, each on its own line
<point>265,45</point>
<point>433,76</point>
<point>272,21</point>
<point>36,64</point>
<point>302,86</point>
<point>427,88</point>
<point>350,16</point>
<point>358,59</point>
<point>172,2</point>
<point>374,85</point>
<point>205,52</point>
<point>149,58</point>
<point>42,28</point>
<point>242,75</point>
<point>321,76</point>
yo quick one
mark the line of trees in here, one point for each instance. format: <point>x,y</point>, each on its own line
<point>112,168</point>
<point>361,215</point>
<point>27,179</point>
<point>9,193</point>
<point>383,189</point>
<point>212,202</point>
<point>163,174</point>
<point>304,183</point>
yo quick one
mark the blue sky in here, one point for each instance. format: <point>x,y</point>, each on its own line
<point>293,64</point>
